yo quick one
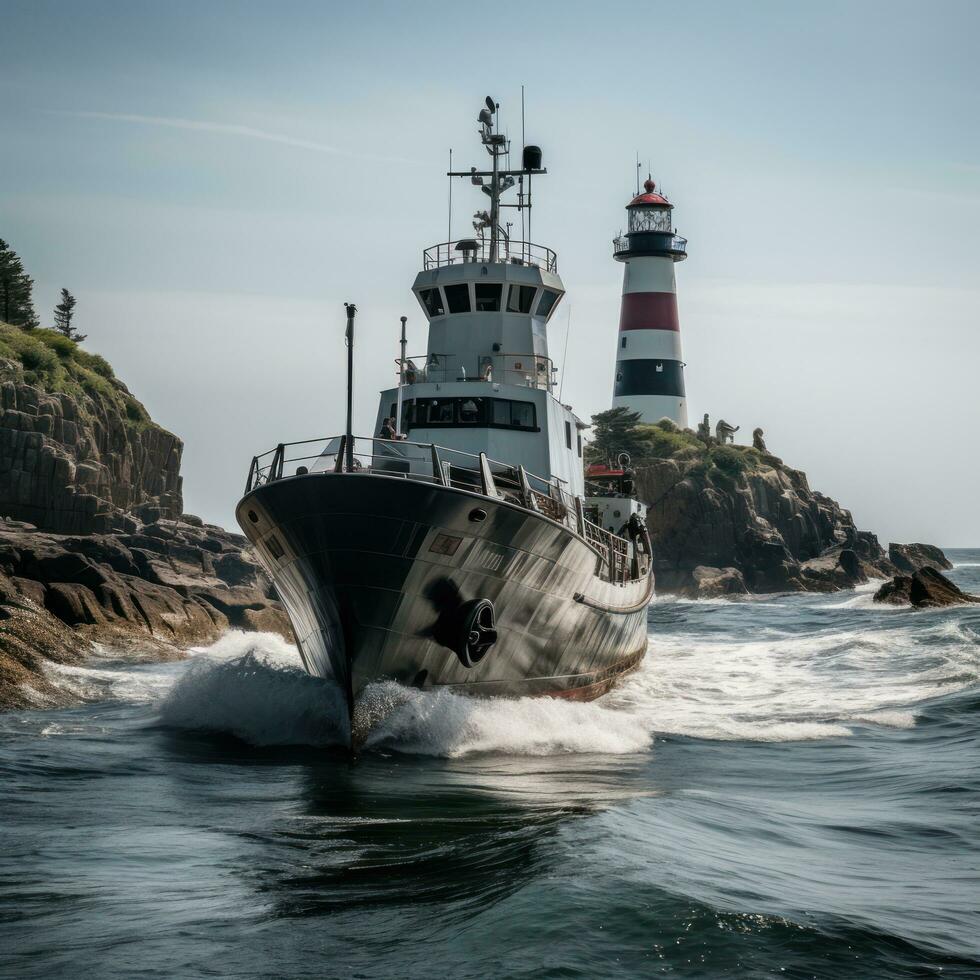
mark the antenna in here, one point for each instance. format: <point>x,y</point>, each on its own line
<point>564,356</point>
<point>449,237</point>
<point>637,172</point>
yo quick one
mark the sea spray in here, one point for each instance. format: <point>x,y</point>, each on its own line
<point>442,723</point>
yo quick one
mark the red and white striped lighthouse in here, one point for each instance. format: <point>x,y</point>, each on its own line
<point>649,369</point>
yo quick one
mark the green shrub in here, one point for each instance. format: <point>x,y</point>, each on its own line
<point>62,346</point>
<point>40,359</point>
<point>700,470</point>
<point>135,411</point>
<point>663,442</point>
<point>94,363</point>
<point>729,460</point>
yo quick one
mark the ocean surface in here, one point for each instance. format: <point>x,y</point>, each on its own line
<point>789,787</point>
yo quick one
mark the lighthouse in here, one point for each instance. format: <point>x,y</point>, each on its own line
<point>649,369</point>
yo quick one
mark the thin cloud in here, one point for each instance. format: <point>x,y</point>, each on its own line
<point>229,129</point>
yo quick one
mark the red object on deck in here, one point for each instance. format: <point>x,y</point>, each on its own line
<point>600,469</point>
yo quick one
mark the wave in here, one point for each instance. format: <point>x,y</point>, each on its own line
<point>780,671</point>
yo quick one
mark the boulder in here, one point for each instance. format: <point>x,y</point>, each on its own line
<point>923,589</point>
<point>713,583</point>
<point>909,558</point>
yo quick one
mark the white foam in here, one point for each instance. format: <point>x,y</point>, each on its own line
<point>256,699</point>
<point>442,723</point>
<point>751,681</point>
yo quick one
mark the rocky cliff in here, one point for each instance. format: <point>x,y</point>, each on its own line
<point>94,549</point>
<point>78,452</point>
<point>731,519</point>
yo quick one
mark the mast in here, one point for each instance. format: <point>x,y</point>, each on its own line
<point>499,180</point>
<point>349,441</point>
<point>401,379</point>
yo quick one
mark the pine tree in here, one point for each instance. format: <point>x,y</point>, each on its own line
<point>16,305</point>
<point>63,314</point>
<point>614,432</point>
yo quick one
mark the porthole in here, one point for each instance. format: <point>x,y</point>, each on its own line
<point>253,517</point>
<point>477,514</point>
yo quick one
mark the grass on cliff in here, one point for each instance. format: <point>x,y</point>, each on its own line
<point>716,464</point>
<point>53,362</point>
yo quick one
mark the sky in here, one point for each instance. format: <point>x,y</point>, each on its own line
<point>213,180</point>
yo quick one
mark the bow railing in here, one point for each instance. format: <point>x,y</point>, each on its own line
<point>446,467</point>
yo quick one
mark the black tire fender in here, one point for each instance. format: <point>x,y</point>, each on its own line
<point>477,631</point>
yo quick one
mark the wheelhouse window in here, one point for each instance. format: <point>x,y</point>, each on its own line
<point>469,412</point>
<point>547,302</point>
<point>520,299</point>
<point>432,301</point>
<point>458,297</point>
<point>487,297</point>
<point>441,411</point>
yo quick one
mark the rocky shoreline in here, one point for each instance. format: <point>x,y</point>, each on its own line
<point>731,520</point>
<point>150,593</point>
<point>95,550</point>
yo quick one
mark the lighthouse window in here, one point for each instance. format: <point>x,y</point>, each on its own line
<point>622,343</point>
<point>432,301</point>
<point>487,297</point>
<point>547,302</point>
<point>580,445</point>
<point>458,298</point>
<point>520,299</point>
<point>568,434</point>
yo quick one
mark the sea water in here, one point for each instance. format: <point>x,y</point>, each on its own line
<point>788,787</point>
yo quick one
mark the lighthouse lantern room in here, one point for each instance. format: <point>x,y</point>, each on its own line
<point>649,369</point>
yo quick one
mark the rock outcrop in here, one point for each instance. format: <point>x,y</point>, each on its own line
<point>164,587</point>
<point>925,588</point>
<point>93,546</point>
<point>739,509</point>
<point>78,453</point>
<point>908,558</point>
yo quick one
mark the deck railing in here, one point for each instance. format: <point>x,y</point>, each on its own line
<point>442,466</point>
<point>517,253</point>
<point>526,370</point>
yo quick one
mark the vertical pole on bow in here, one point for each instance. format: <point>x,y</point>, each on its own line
<point>349,447</point>
<point>401,380</point>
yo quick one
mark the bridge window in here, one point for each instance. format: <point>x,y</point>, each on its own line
<point>487,297</point>
<point>432,301</point>
<point>458,298</point>
<point>547,302</point>
<point>468,412</point>
<point>471,410</point>
<point>520,299</point>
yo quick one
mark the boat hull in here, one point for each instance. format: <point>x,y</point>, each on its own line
<point>373,572</point>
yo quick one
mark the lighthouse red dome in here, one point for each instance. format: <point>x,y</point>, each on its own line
<point>649,197</point>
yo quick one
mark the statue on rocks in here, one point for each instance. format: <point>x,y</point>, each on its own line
<point>704,430</point>
<point>758,442</point>
<point>725,432</point>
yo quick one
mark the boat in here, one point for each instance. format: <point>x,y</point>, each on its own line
<point>456,548</point>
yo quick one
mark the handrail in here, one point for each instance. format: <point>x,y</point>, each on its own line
<point>455,469</point>
<point>509,251</point>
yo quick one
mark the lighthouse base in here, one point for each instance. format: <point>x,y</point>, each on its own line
<point>653,408</point>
